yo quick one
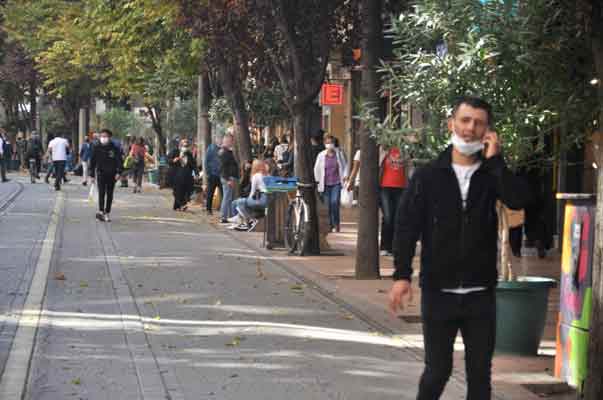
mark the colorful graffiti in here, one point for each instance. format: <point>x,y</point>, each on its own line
<point>571,360</point>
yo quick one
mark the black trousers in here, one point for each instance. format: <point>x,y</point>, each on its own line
<point>390,202</point>
<point>213,183</point>
<point>106,187</point>
<point>3,168</point>
<point>444,314</point>
<point>59,173</point>
<point>138,173</point>
<point>181,195</point>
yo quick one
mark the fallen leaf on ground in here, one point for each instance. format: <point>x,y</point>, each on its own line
<point>157,318</point>
<point>297,288</point>
<point>234,375</point>
<point>381,291</point>
<point>59,276</point>
<point>83,284</point>
<point>218,303</point>
<point>348,316</point>
<point>76,381</point>
<point>235,342</point>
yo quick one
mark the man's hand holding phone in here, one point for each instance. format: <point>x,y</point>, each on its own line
<point>492,144</point>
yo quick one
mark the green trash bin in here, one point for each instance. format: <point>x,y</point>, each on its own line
<point>521,310</point>
<point>154,176</point>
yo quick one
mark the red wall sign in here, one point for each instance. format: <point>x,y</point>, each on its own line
<point>331,95</point>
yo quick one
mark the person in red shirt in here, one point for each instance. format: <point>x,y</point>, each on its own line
<point>138,151</point>
<point>393,183</point>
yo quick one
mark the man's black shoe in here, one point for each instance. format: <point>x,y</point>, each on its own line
<point>85,183</point>
<point>100,217</point>
<point>224,221</point>
<point>58,189</point>
<point>46,180</point>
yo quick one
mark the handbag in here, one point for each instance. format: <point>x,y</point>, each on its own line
<point>129,162</point>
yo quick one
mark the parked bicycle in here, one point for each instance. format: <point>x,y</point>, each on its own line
<point>297,221</point>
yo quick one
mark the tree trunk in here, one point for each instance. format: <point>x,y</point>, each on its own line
<point>203,125</point>
<point>231,83</point>
<point>594,382</point>
<point>33,103</point>
<point>155,115</point>
<point>304,170</point>
<point>367,246</point>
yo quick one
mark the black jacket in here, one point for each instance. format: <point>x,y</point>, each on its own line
<point>229,167</point>
<point>106,159</point>
<point>458,246</point>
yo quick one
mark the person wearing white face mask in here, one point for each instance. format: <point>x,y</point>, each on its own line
<point>106,166</point>
<point>450,204</point>
<point>331,173</point>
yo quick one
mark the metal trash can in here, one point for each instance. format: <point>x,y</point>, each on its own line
<point>571,359</point>
<point>277,192</point>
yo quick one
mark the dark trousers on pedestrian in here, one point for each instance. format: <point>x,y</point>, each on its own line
<point>181,196</point>
<point>138,173</point>
<point>59,173</point>
<point>332,196</point>
<point>390,201</point>
<point>444,314</point>
<point>3,168</point>
<point>106,187</point>
<point>213,183</point>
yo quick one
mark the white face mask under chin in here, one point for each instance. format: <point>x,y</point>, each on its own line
<point>466,148</point>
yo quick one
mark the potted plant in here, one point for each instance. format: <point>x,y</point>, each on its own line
<point>517,60</point>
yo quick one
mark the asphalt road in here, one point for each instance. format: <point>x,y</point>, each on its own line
<point>158,305</point>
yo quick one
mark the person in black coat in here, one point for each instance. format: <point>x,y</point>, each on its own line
<point>184,167</point>
<point>106,167</point>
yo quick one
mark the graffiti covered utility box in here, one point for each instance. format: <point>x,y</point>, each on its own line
<point>571,361</point>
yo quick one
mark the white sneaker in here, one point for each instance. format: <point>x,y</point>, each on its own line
<point>236,220</point>
<point>107,218</point>
<point>383,253</point>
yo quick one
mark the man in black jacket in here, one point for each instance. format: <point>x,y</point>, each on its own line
<point>229,176</point>
<point>450,206</point>
<point>106,164</point>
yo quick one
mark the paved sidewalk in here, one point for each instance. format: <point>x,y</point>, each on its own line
<point>512,375</point>
<point>157,305</point>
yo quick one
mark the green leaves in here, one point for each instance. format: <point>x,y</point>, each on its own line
<point>525,61</point>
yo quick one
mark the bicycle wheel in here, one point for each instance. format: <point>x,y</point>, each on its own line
<point>290,229</point>
<point>301,232</point>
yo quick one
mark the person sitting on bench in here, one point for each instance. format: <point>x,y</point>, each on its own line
<point>256,200</point>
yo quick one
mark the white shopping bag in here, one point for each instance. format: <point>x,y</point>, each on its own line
<point>92,193</point>
<point>347,198</point>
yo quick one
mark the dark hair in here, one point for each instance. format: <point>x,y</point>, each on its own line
<point>107,131</point>
<point>474,102</point>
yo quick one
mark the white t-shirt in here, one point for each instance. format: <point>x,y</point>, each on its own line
<point>357,158</point>
<point>59,148</point>
<point>463,175</point>
<point>1,146</point>
<point>257,183</point>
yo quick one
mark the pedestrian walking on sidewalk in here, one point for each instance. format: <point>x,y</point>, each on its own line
<point>4,155</point>
<point>392,184</point>
<point>85,155</point>
<point>106,165</point>
<point>58,149</point>
<point>331,173</point>
<point>212,171</point>
<point>229,177</point>
<point>450,205</point>
<point>138,152</point>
